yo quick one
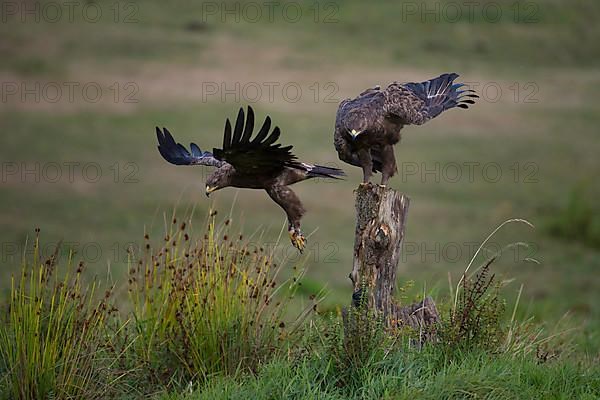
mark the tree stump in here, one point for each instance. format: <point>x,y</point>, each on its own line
<point>380,221</point>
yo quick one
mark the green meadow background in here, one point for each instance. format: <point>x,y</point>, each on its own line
<point>83,91</point>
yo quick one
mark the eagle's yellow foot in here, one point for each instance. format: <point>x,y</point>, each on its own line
<point>298,239</point>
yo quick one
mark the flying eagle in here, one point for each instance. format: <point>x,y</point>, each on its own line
<point>368,126</point>
<point>254,163</point>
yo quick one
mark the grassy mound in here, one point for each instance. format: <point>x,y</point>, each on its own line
<point>209,316</point>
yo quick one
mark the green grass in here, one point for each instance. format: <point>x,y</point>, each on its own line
<point>347,30</point>
<point>421,375</point>
<point>578,220</point>
<point>198,305</point>
<point>208,306</point>
<point>52,333</point>
<point>208,315</point>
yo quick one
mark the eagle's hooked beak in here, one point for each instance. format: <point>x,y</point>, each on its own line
<point>209,190</point>
<point>354,133</point>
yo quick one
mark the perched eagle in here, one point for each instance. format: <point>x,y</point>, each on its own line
<point>254,163</point>
<point>368,126</point>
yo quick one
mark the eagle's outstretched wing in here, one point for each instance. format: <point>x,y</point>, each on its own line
<point>177,154</point>
<point>258,155</point>
<point>417,103</point>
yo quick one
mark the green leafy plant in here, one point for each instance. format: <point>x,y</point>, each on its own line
<point>353,343</point>
<point>475,321</point>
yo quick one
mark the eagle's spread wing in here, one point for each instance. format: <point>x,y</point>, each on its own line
<point>417,103</point>
<point>258,155</point>
<point>177,154</point>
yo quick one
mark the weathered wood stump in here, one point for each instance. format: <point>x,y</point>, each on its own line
<point>380,221</point>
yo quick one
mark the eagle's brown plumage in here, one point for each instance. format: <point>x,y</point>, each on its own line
<point>368,126</point>
<point>255,163</point>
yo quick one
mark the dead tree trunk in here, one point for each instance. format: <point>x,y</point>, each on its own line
<point>380,221</point>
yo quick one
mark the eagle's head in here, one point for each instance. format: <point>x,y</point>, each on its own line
<point>355,124</point>
<point>219,179</point>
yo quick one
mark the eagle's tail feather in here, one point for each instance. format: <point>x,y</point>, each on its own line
<point>441,93</point>
<point>319,171</point>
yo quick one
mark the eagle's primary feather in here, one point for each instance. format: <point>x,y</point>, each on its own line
<point>368,126</point>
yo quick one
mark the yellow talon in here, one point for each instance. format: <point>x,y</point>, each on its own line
<point>298,240</point>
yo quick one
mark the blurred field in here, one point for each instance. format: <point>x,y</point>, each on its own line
<point>157,64</point>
